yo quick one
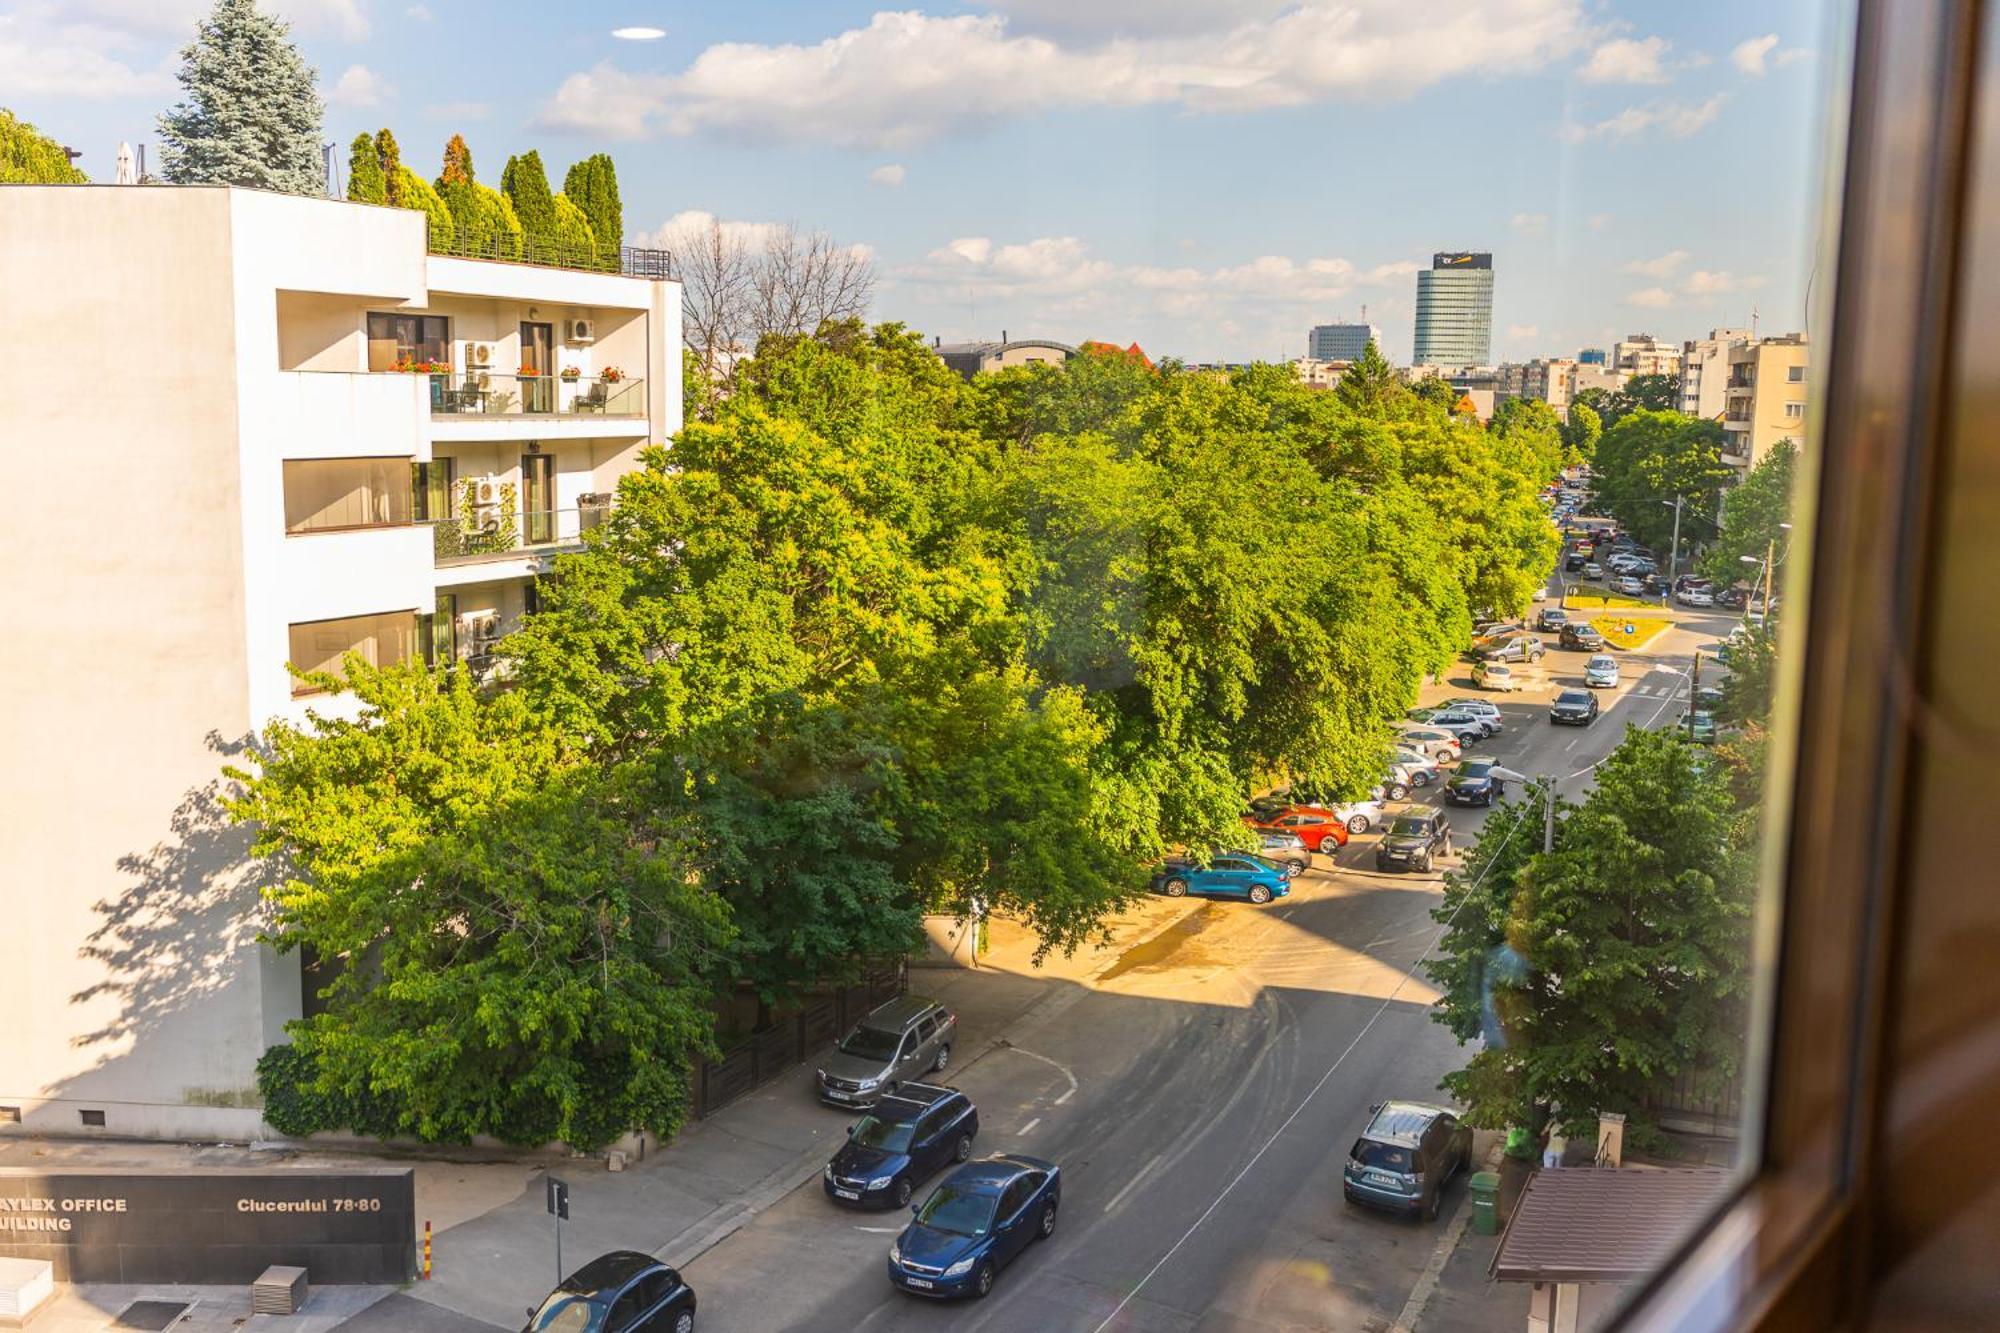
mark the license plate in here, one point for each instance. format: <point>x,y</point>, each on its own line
<point>846,1194</point>
<point>923,1282</point>
<point>1381,1178</point>
<point>837,1095</point>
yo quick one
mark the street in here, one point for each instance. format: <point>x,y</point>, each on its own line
<point>1200,1099</point>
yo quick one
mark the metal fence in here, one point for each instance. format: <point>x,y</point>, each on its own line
<point>627,260</point>
<point>1693,1103</point>
<point>790,1039</point>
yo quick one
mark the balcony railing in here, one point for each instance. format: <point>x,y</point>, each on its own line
<point>625,260</point>
<point>481,533</point>
<point>491,393</point>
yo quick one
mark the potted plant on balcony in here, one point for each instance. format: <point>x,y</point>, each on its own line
<point>570,374</point>
<point>611,374</point>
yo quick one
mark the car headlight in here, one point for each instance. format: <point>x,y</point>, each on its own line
<point>880,1182</point>
<point>895,1253</point>
<point>867,1082</point>
<point>829,1171</point>
<point>959,1269</point>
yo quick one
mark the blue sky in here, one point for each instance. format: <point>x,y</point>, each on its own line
<point>1206,177</point>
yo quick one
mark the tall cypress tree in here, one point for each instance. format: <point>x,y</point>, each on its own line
<point>252,112</point>
<point>391,159</point>
<point>365,183</point>
<point>526,186</point>
<point>592,185</point>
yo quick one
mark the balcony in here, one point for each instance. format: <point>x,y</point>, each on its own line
<point>496,541</point>
<point>485,393</point>
<point>626,261</point>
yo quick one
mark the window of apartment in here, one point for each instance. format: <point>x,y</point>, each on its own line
<point>1794,411</point>
<point>1796,374</point>
<point>436,494</point>
<point>328,494</point>
<point>395,339</point>
<point>322,645</point>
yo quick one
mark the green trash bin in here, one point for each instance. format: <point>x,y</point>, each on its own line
<point>1485,1188</point>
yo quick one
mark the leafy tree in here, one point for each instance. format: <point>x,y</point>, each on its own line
<point>1614,963</point>
<point>572,231</point>
<point>1367,384</point>
<point>252,110</point>
<point>1755,517</point>
<point>365,182</point>
<point>389,156</point>
<point>457,163</point>
<point>592,185</point>
<point>416,193</point>
<point>526,186</point>
<point>522,955</point>
<point>29,157</point>
<point>1437,391</point>
<point>1651,393</point>
<point>1581,433</point>
<point>483,221</point>
<point>1752,680</point>
<point>1647,459</point>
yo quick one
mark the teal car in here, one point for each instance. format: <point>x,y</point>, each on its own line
<point>1700,727</point>
<point>1231,875</point>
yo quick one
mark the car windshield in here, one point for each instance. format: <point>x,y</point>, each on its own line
<point>567,1312</point>
<point>871,1043</point>
<point>1475,772</point>
<point>1410,826</point>
<point>1573,697</point>
<point>958,1211</point>
<point>1381,1156</point>
<point>888,1135</point>
<point>1602,663</point>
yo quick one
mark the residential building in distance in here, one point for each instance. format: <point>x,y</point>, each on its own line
<point>1318,374</point>
<point>270,429</point>
<point>1705,372</point>
<point>973,358</point>
<point>1765,400</point>
<point>1588,376</point>
<point>1341,342</point>
<point>1643,354</point>
<point>1455,310</point>
<point>1593,356</point>
<point>1551,380</point>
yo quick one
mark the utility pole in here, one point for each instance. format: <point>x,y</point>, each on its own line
<point>1674,556</point>
<point>1770,555</point>
<point>1549,817</point>
<point>1694,686</point>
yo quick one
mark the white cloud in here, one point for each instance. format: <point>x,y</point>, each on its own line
<point>694,221</point>
<point>889,173</point>
<point>43,56</point>
<point>1676,120</point>
<point>418,13</point>
<point>1653,298</point>
<point>1662,267</point>
<point>1703,282</point>
<point>1136,18</point>
<point>359,86</point>
<point>1627,61</point>
<point>1749,56</point>
<point>1529,224</point>
<point>1524,331</point>
<point>906,78</point>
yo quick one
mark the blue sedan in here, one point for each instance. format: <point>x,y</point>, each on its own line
<point>975,1222</point>
<point>1234,875</point>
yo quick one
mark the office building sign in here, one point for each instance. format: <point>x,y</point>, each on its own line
<point>1461,259</point>
<point>222,1227</point>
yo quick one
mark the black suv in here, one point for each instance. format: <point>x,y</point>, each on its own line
<point>1475,783</point>
<point>906,1136</point>
<point>1582,635</point>
<point>1578,708</point>
<point>1550,619</point>
<point>1414,841</point>
<point>1405,1157</point>
<point>624,1290</point>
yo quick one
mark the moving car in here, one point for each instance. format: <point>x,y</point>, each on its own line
<point>1312,826</point>
<point>1496,676</point>
<point>1601,672</point>
<point>1414,841</point>
<point>1405,1157</point>
<point>620,1290</point>
<point>1475,783</point>
<point>1551,619</point>
<point>1514,648</point>
<point>1584,636</point>
<point>906,1137</point>
<point>1286,849</point>
<point>1435,742</point>
<point>981,1217</point>
<point>904,1039</point>
<point>1576,708</point>
<point>1230,875</point>
<point>1573,562</point>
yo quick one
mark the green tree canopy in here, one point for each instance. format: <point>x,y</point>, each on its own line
<point>413,191</point>
<point>29,157</point>
<point>1647,459</point>
<point>389,156</point>
<point>1581,433</point>
<point>366,183</point>
<point>252,111</point>
<point>1368,384</point>
<point>526,186</point>
<point>1756,518</point>
<point>592,185</point>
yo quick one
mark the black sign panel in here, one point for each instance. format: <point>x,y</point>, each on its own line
<point>1461,259</point>
<point>558,1198</point>
<point>221,1227</point>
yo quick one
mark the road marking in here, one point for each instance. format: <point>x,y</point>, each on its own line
<point>1572,745</point>
<point>1066,1096</point>
<point>881,1231</point>
<point>1028,1128</point>
<point>1132,1184</point>
<point>1061,1068</point>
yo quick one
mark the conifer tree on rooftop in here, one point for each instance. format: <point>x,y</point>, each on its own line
<point>390,157</point>
<point>592,185</point>
<point>365,182</point>
<point>252,111</point>
<point>526,186</point>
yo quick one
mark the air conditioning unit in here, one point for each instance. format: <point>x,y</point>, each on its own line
<point>486,628</point>
<point>578,331</point>
<point>479,354</point>
<point>486,491</point>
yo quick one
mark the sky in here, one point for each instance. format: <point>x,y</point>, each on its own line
<point>1208,178</point>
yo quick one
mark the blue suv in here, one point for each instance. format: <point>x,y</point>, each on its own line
<point>981,1216</point>
<point>1231,875</point>
<point>906,1136</point>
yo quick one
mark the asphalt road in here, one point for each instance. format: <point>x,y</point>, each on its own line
<point>1200,1099</point>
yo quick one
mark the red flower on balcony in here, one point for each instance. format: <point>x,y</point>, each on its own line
<point>611,374</point>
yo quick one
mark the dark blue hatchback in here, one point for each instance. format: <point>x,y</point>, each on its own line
<point>906,1136</point>
<point>981,1216</point>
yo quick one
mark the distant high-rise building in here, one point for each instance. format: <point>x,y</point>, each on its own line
<point>1341,342</point>
<point>1455,310</point>
<point>1593,356</point>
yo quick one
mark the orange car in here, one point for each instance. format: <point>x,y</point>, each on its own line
<point>1314,825</point>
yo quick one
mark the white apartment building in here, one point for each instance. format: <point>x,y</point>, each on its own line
<point>229,471</point>
<point>1705,372</point>
<point>1643,354</point>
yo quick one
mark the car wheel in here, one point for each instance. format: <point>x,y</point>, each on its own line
<point>1259,894</point>
<point>1048,1221</point>
<point>962,1150</point>
<point>1421,780</point>
<point>1397,791</point>
<point>1425,864</point>
<point>943,1058</point>
<point>1176,888</point>
<point>684,1322</point>
<point>982,1281</point>
<point>902,1192</point>
<point>1357,824</point>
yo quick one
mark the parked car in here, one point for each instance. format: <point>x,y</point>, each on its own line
<point>1699,726</point>
<point>1359,816</point>
<point>1514,648</point>
<point>1311,825</point>
<point>623,1290</point>
<point>1414,841</point>
<point>907,1136</point>
<point>903,1040</point>
<point>1493,629</point>
<point>981,1217</point>
<point>1475,783</point>
<point>1631,585</point>
<point>1592,570</point>
<point>1395,784</point>
<point>1583,636</point>
<point>1469,727</point>
<point>1496,676</point>
<point>1577,708</point>
<point>1601,672</point>
<point>1423,770</point>
<point>1551,619</point>
<point>1695,597</point>
<point>1230,875</point>
<point>1404,1158</point>
<point>1286,849</point>
<point>1483,709</point>
<point>1440,745</point>
<point>1733,598</point>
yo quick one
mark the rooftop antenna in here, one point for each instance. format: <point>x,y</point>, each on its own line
<point>1364,312</point>
<point>1753,323</point>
